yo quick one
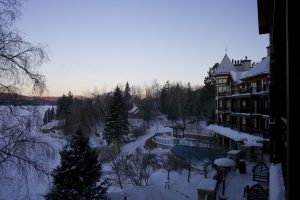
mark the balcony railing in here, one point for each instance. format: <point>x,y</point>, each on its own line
<point>258,89</point>
<point>240,91</point>
<point>262,111</point>
<point>251,90</point>
<point>240,109</point>
<point>226,93</point>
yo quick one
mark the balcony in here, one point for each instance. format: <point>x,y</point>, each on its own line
<point>224,94</point>
<point>260,111</point>
<point>240,91</point>
<point>259,89</point>
<point>240,110</point>
<point>250,90</point>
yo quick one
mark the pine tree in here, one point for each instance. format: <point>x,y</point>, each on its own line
<point>79,173</point>
<point>45,119</point>
<point>209,93</point>
<point>52,114</point>
<point>116,123</point>
<point>64,105</point>
<point>164,98</point>
<point>127,96</point>
<point>147,108</point>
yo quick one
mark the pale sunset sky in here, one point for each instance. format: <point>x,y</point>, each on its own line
<point>102,43</point>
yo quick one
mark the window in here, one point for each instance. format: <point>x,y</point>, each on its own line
<point>244,120</point>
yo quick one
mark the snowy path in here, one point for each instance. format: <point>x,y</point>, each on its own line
<point>157,127</point>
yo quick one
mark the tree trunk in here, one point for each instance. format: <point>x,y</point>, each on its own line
<point>190,168</point>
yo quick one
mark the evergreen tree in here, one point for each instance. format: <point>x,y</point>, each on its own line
<point>52,114</point>
<point>189,101</point>
<point>209,80</point>
<point>147,107</point>
<point>46,117</point>
<point>209,92</point>
<point>79,173</point>
<point>64,106</point>
<point>116,123</point>
<point>127,96</point>
<point>164,98</point>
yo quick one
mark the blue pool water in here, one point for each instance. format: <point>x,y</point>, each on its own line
<point>197,154</point>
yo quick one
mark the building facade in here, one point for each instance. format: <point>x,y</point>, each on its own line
<point>242,95</point>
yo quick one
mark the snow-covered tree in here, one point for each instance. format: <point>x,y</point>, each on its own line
<point>116,123</point>
<point>79,174</point>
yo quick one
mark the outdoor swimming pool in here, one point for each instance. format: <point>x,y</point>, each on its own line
<point>197,154</point>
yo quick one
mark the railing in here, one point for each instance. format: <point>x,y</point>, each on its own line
<point>240,109</point>
<point>193,143</point>
<point>264,88</point>
<point>251,90</point>
<point>226,93</point>
<point>240,91</point>
<point>165,141</point>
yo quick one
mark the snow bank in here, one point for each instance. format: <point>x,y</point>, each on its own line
<point>277,189</point>
<point>207,184</point>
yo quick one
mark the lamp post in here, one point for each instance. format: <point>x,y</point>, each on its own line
<point>223,163</point>
<point>223,174</point>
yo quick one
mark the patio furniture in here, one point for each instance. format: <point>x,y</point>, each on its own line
<point>256,192</point>
<point>261,172</point>
<point>207,189</point>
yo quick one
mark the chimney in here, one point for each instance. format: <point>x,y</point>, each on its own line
<point>246,64</point>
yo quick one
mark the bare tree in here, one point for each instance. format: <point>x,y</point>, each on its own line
<point>139,166</point>
<point>111,156</point>
<point>21,149</point>
<point>170,163</point>
<point>19,59</point>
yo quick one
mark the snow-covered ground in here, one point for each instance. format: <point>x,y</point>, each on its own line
<point>179,188</point>
<point>34,187</point>
<point>13,185</point>
<point>156,127</point>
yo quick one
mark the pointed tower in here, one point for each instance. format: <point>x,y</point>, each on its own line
<point>225,66</point>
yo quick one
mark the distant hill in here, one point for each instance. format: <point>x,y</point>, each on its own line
<point>16,99</point>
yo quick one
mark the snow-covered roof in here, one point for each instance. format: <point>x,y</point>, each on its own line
<point>263,67</point>
<point>236,75</point>
<point>277,189</point>
<point>233,152</point>
<point>225,66</point>
<point>207,184</point>
<point>249,140</point>
<point>225,162</point>
<point>134,110</point>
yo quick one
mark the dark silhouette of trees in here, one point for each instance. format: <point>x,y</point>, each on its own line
<point>49,115</point>
<point>148,107</point>
<point>208,93</point>
<point>78,175</point>
<point>64,105</point>
<point>116,123</point>
<point>127,96</point>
